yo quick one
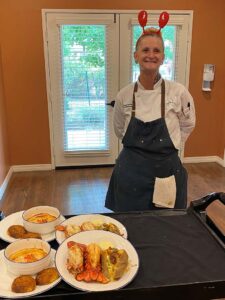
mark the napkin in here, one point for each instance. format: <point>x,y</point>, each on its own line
<point>165,192</point>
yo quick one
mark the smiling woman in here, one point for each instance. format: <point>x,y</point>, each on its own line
<point>148,173</point>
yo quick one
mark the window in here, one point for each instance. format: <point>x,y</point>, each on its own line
<point>83,61</point>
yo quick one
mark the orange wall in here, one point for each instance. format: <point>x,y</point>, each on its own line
<point>4,153</point>
<point>24,72</point>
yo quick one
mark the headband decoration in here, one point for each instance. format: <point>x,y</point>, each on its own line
<point>143,17</point>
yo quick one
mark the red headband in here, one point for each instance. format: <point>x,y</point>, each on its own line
<point>143,17</point>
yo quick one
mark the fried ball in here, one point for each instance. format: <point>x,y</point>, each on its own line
<point>47,276</point>
<point>23,284</point>
<point>31,235</point>
<point>19,232</point>
<point>16,231</point>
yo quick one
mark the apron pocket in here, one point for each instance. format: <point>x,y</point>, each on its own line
<point>164,194</point>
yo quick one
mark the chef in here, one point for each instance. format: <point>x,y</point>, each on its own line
<point>154,118</point>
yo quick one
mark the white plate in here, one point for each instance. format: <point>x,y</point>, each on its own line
<point>7,278</point>
<point>16,219</point>
<point>78,220</point>
<point>97,236</point>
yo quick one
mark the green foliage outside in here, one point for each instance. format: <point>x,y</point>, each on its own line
<point>83,61</point>
<point>83,58</point>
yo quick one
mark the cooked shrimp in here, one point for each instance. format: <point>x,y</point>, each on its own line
<point>87,226</point>
<point>69,229</point>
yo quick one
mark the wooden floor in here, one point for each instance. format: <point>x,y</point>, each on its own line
<point>77,191</point>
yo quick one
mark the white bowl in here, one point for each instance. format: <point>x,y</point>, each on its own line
<point>41,228</point>
<point>27,268</point>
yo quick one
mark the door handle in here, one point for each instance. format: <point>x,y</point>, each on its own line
<point>112,103</point>
<point>1,215</point>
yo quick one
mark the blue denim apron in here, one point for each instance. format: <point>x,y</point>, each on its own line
<point>148,152</point>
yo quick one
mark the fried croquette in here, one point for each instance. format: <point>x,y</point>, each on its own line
<point>19,232</point>
<point>31,235</point>
<point>47,276</point>
<point>16,231</point>
<point>23,284</point>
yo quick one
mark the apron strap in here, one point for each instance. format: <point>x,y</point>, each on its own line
<point>133,103</point>
<point>162,99</point>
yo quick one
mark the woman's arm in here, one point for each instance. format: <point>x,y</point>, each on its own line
<point>118,118</point>
<point>187,118</point>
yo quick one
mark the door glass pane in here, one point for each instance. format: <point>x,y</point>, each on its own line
<point>83,60</point>
<point>167,70</point>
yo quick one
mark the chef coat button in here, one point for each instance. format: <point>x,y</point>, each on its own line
<point>142,141</point>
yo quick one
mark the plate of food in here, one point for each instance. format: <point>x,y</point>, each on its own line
<point>14,286</point>
<point>11,228</point>
<point>97,261</point>
<point>82,223</point>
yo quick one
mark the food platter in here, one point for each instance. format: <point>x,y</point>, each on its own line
<point>99,237</point>
<point>78,220</point>
<point>7,278</point>
<point>16,219</point>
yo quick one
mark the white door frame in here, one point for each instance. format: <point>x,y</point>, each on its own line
<point>52,23</point>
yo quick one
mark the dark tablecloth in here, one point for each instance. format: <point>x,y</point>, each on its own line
<point>175,250</point>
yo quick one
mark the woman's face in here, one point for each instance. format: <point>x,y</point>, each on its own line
<point>149,54</point>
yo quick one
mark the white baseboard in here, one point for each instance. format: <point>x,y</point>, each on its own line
<point>204,159</point>
<point>5,183</point>
<point>29,168</point>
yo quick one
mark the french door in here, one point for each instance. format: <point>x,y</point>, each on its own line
<point>89,57</point>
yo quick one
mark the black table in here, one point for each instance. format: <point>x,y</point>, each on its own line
<point>181,252</point>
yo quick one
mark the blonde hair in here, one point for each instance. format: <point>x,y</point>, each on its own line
<point>150,32</point>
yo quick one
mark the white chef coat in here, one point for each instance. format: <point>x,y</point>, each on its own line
<point>179,109</point>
